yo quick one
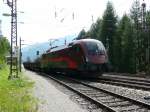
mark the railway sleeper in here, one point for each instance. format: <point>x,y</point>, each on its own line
<point>119,104</point>
<point>93,106</point>
<point>141,110</point>
<point>97,95</point>
<point>105,98</point>
<point>132,108</point>
<point>86,91</point>
<point>113,101</point>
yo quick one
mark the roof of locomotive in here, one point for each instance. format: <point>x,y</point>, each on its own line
<point>86,40</point>
<point>57,48</point>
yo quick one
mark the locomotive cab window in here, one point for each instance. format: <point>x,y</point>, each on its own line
<point>94,47</point>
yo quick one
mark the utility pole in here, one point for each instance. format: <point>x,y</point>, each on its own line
<point>14,50</point>
<point>20,54</point>
<point>145,37</point>
<point>52,41</point>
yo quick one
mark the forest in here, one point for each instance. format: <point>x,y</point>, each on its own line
<point>127,39</point>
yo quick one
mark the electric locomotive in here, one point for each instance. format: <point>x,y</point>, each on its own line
<point>86,57</point>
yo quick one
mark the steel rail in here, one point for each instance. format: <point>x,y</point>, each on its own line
<point>117,95</point>
<point>127,77</point>
<point>126,83</point>
<point>105,107</point>
<point>110,109</point>
<point>136,81</point>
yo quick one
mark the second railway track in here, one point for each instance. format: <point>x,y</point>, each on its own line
<point>127,82</point>
<point>106,100</point>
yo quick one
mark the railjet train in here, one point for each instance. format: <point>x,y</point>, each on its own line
<point>85,57</point>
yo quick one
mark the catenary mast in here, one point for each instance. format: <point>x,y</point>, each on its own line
<point>14,48</point>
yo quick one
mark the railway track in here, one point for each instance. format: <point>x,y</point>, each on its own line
<point>126,82</point>
<point>128,78</point>
<point>105,100</point>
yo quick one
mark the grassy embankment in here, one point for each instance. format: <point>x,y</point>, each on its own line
<point>16,94</point>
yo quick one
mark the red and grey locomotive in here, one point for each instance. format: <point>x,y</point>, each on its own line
<point>86,57</point>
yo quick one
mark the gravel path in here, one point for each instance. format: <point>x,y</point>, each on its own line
<point>51,99</point>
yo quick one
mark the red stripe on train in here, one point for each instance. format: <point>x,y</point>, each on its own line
<point>71,63</point>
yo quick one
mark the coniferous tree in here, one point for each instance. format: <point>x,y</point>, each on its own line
<point>128,48</point>
<point>108,30</point>
<point>94,31</point>
<point>81,35</point>
<point>124,46</point>
<point>141,33</point>
<point>119,44</point>
<point>135,12</point>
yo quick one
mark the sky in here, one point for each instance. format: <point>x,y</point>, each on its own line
<point>41,24</point>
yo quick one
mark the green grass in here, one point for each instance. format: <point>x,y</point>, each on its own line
<point>16,94</point>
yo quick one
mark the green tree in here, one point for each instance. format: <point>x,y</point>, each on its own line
<point>124,46</point>
<point>94,31</point>
<point>108,30</point>
<point>4,48</point>
<point>128,48</point>
<point>81,35</point>
<point>135,12</point>
<point>135,16</point>
<point>119,44</point>
<point>141,33</point>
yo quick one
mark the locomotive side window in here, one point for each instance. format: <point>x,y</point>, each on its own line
<point>76,48</point>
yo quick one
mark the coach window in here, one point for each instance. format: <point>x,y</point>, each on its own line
<point>44,56</point>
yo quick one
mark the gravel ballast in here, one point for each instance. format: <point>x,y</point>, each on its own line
<point>50,98</point>
<point>140,95</point>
